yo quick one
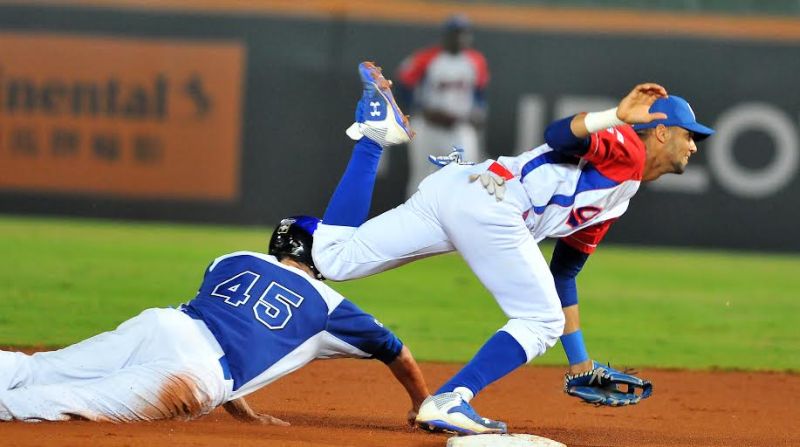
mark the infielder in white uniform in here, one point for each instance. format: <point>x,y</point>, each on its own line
<point>571,188</point>
<point>255,318</point>
<point>447,85</point>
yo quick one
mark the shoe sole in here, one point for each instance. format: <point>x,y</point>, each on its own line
<point>439,426</point>
<point>443,427</point>
<point>374,74</point>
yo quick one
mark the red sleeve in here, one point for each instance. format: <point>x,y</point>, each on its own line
<point>481,68</point>
<point>618,153</point>
<point>585,240</point>
<point>413,68</point>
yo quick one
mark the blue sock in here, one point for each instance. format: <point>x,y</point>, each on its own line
<point>574,347</point>
<point>350,202</point>
<point>499,356</point>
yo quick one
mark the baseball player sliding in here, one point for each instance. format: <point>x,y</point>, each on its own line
<point>256,318</point>
<point>495,213</point>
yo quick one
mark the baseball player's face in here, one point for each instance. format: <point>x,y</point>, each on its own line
<point>679,146</point>
<point>456,40</point>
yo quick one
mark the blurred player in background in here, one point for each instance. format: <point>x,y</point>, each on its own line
<point>256,318</point>
<point>446,84</point>
<point>571,188</point>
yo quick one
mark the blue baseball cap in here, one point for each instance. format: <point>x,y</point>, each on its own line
<point>457,22</point>
<point>679,113</point>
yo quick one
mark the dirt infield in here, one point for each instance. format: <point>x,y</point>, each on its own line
<point>357,403</point>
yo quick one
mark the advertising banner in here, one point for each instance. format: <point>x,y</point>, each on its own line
<point>122,117</point>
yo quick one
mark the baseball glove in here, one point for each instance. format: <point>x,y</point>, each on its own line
<point>604,385</point>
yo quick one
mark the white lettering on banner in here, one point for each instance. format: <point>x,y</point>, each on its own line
<point>735,179</point>
<point>754,183</point>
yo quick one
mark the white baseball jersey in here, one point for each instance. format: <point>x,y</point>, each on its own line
<point>445,81</point>
<point>580,197</point>
<point>547,194</point>
<point>449,83</point>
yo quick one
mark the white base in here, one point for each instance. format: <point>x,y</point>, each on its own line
<point>514,440</point>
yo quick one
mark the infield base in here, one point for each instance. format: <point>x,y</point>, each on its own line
<point>513,440</point>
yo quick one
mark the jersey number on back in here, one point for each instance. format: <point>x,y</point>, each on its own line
<point>274,307</point>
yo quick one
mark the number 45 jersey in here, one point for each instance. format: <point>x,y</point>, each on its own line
<point>271,319</point>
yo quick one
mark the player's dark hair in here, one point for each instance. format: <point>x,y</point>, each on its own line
<point>644,133</point>
<point>293,238</point>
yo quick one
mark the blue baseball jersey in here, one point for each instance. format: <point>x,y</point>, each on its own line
<point>271,319</point>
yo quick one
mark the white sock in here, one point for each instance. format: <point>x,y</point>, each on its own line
<point>465,393</point>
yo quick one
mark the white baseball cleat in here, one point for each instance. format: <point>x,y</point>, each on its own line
<point>377,115</point>
<point>449,412</point>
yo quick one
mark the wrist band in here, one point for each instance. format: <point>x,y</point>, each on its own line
<point>596,121</point>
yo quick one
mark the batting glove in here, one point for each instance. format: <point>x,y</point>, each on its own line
<point>493,183</point>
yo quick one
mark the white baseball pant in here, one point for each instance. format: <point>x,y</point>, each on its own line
<point>160,364</point>
<point>451,213</point>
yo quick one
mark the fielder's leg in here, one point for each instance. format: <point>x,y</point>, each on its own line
<point>349,205</point>
<point>508,262</point>
<point>343,247</point>
<point>379,123</point>
<point>394,238</point>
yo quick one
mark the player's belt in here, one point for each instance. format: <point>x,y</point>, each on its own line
<point>226,369</point>
<point>501,170</point>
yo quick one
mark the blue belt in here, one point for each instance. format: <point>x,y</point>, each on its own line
<point>226,369</point>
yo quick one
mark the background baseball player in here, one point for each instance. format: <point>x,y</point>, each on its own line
<point>446,84</point>
<point>571,188</point>
<point>255,319</point>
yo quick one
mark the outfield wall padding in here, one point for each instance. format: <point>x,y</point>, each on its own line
<point>240,118</point>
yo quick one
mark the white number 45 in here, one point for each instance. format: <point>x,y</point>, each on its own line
<point>273,309</point>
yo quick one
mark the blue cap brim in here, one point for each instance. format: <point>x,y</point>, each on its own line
<point>700,131</point>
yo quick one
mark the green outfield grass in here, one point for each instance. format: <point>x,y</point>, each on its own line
<point>67,279</point>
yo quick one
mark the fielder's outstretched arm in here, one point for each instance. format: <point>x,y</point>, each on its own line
<point>634,108</point>
<point>565,265</point>
<point>570,135</point>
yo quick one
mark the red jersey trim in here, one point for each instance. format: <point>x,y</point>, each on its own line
<point>481,67</point>
<point>618,153</point>
<point>412,70</point>
<point>501,170</point>
<point>586,240</point>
